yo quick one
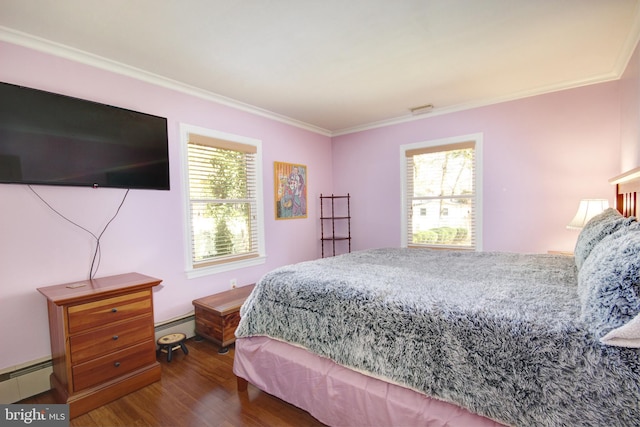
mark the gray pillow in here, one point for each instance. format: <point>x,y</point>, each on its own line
<point>595,230</point>
<point>609,282</point>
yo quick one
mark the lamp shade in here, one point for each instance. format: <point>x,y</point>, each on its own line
<point>588,209</point>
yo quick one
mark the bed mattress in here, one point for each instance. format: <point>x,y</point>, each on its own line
<point>498,334</point>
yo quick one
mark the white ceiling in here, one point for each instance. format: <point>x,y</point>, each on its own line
<point>341,65</point>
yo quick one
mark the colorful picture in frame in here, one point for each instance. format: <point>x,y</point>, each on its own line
<point>290,181</point>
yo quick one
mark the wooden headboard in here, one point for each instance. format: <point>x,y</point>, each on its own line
<point>627,190</point>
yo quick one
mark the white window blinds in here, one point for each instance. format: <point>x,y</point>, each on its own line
<point>441,196</point>
<point>222,200</point>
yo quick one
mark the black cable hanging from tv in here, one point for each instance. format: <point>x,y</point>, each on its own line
<point>97,253</point>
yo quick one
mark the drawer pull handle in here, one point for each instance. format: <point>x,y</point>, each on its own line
<point>117,364</point>
<point>114,310</point>
<point>115,337</point>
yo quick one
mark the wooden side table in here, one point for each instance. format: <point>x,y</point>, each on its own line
<point>102,339</point>
<point>218,315</point>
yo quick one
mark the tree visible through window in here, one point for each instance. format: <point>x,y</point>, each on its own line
<point>223,200</point>
<point>440,195</point>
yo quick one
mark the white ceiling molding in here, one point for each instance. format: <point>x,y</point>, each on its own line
<point>46,46</point>
<point>335,68</point>
<point>481,103</point>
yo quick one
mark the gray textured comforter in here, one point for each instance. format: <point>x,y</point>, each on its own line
<point>497,333</point>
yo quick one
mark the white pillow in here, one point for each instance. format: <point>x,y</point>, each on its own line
<point>627,335</point>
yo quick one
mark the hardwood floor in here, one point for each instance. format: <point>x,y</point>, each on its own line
<point>198,389</point>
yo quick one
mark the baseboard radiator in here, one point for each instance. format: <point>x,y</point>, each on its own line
<point>30,379</point>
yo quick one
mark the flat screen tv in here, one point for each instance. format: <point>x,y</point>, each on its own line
<point>52,139</point>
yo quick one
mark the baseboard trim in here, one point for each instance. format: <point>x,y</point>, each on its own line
<point>185,325</point>
<point>31,379</point>
<point>25,370</point>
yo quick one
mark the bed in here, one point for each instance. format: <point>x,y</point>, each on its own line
<point>397,336</point>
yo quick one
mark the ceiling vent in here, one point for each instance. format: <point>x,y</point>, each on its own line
<point>423,109</point>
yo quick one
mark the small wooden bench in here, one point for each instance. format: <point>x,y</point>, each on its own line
<point>171,342</point>
<point>218,315</point>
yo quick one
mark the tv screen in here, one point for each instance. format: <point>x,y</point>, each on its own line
<point>52,139</point>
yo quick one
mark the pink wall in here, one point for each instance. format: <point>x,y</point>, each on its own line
<point>630,114</point>
<point>38,248</point>
<point>541,156</point>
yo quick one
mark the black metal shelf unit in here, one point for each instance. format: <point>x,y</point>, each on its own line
<point>340,216</point>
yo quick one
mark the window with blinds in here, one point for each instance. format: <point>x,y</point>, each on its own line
<point>223,200</point>
<point>440,195</point>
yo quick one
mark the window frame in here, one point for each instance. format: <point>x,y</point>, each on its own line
<point>241,261</point>
<point>477,139</point>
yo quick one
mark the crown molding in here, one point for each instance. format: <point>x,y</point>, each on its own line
<point>468,106</point>
<point>626,52</point>
<point>630,44</point>
<point>67,52</point>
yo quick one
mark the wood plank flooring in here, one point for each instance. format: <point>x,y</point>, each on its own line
<point>198,389</point>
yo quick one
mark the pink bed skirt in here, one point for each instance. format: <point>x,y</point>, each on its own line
<point>338,396</point>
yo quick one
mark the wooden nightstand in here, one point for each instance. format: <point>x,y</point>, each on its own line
<point>102,339</point>
<point>217,316</point>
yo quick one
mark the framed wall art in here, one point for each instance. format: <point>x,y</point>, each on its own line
<point>290,182</point>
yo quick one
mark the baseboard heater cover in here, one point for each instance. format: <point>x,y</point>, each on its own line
<point>11,392</point>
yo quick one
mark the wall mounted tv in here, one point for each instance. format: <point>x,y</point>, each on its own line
<point>52,139</point>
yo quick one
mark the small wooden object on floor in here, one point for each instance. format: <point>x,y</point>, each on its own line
<point>217,316</point>
<point>171,342</point>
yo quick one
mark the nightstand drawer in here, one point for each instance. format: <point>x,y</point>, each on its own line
<point>109,339</point>
<point>93,314</point>
<point>113,365</point>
